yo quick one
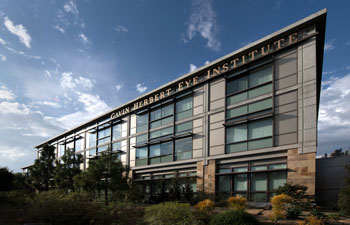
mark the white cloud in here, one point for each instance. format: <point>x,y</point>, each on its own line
<point>60,29</point>
<point>141,88</point>
<point>47,73</point>
<point>121,28</point>
<point>192,67</point>
<point>13,108</point>
<point>206,62</point>
<point>118,87</point>
<point>6,93</point>
<point>334,114</point>
<point>26,55</point>
<point>329,45</point>
<point>84,82</point>
<point>2,42</point>
<point>2,58</point>
<point>18,30</point>
<point>67,81</point>
<point>12,153</point>
<point>71,7</point>
<point>48,103</point>
<point>203,21</point>
<point>84,39</point>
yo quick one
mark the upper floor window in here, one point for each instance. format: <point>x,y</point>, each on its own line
<point>161,116</point>
<point>120,130</point>
<point>184,108</point>
<point>141,122</point>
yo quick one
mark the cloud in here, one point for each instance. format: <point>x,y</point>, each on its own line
<point>192,67</point>
<point>6,93</point>
<point>13,108</point>
<point>67,81</point>
<point>18,30</point>
<point>47,73</point>
<point>334,114</point>
<point>118,87</point>
<point>71,7</point>
<point>56,27</point>
<point>12,153</point>
<point>120,28</point>
<point>84,82</point>
<point>206,62</point>
<point>2,58</point>
<point>329,45</point>
<point>84,39</point>
<point>2,42</point>
<point>26,55</point>
<point>141,88</point>
<point>48,103</point>
<point>203,21</point>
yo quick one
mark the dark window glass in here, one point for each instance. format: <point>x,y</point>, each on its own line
<point>237,85</point>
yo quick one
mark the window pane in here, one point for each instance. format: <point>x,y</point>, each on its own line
<point>237,85</point>
<point>183,127</point>
<point>236,133</point>
<point>92,152</point>
<point>184,104</point>
<point>78,144</point>
<point>102,149</point>
<point>102,141</point>
<point>240,182</point>
<point>261,105</point>
<point>225,170</point>
<point>141,128</point>
<point>155,134</point>
<point>183,155</point>
<point>167,110</point>
<point>259,197</point>
<point>278,166</point>
<point>92,139</point>
<point>237,98</point>
<point>261,128</point>
<point>183,145</point>
<point>184,115</point>
<point>141,162</point>
<point>257,168</point>
<point>154,161</point>
<point>156,124</point>
<point>141,153</point>
<point>156,114</point>
<point>277,179</point>
<point>166,148</point>
<point>263,143</point>
<point>117,146</point>
<point>258,181</point>
<point>236,147</point>
<point>224,183</point>
<point>117,131</point>
<point>260,76</point>
<point>260,90</point>
<point>154,150</point>
<point>168,158</point>
<point>104,133</point>
<point>167,131</point>
<point>167,120</point>
<point>141,139</point>
<point>141,119</point>
<point>236,112</point>
<point>240,169</point>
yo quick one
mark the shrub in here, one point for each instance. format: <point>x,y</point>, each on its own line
<point>298,194</point>
<point>278,203</point>
<point>293,212</point>
<point>333,216</point>
<point>344,200</point>
<point>317,213</point>
<point>234,217</point>
<point>311,220</point>
<point>170,213</point>
<point>204,210</point>
<point>237,202</point>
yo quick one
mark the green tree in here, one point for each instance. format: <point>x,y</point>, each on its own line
<point>6,179</point>
<point>66,169</point>
<point>105,173</point>
<point>339,152</point>
<point>344,194</point>
<point>42,172</point>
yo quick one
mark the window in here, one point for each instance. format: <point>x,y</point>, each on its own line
<point>141,122</point>
<point>102,148</point>
<point>120,130</point>
<point>161,133</point>
<point>184,108</point>
<point>183,127</point>
<point>141,156</point>
<point>247,136</point>
<point>92,139</point>
<point>78,145</point>
<point>249,85</point>
<point>183,149</point>
<point>104,136</point>
<point>61,150</point>
<point>161,153</point>
<point>258,184</point>
<point>161,116</point>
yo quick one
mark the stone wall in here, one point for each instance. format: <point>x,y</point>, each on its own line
<point>206,177</point>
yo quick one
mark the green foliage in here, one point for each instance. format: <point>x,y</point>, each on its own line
<point>6,179</point>
<point>234,217</point>
<point>42,172</point>
<point>170,213</point>
<point>293,212</point>
<point>66,169</point>
<point>344,195</point>
<point>333,216</point>
<point>18,198</point>
<point>339,152</point>
<point>298,194</point>
<point>316,213</point>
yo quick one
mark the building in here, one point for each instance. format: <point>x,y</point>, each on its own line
<point>243,124</point>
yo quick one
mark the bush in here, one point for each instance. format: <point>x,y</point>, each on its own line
<point>237,202</point>
<point>317,213</point>
<point>170,213</point>
<point>298,194</point>
<point>293,212</point>
<point>344,200</point>
<point>204,210</point>
<point>234,217</point>
<point>278,203</point>
<point>311,220</point>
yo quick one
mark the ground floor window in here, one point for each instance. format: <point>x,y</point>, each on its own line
<point>257,183</point>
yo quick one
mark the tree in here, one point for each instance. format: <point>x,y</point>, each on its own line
<point>42,172</point>
<point>66,169</point>
<point>105,173</point>
<point>339,152</point>
<point>6,179</point>
<point>344,194</point>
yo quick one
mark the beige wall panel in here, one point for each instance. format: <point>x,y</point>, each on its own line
<point>310,101</point>
<point>217,137</point>
<point>198,143</point>
<point>309,56</point>
<point>197,153</point>
<point>309,91</point>
<point>217,117</point>
<point>132,153</point>
<point>286,66</point>
<point>217,125</point>
<point>309,74</point>
<point>198,98</point>
<point>217,150</point>
<point>286,123</point>
<point>198,122</point>
<point>217,90</point>
<point>286,53</point>
<point>286,108</point>
<point>217,104</point>
<point>198,110</point>
<point>310,135</point>
<point>132,164</point>
<point>310,117</point>
<point>286,139</point>
<point>286,98</point>
<point>198,130</point>
<point>132,141</point>
<point>286,82</point>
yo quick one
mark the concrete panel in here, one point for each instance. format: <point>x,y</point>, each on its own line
<point>132,164</point>
<point>310,101</point>
<point>133,121</point>
<point>198,98</point>
<point>198,110</point>
<point>309,74</point>
<point>217,125</point>
<point>198,143</point>
<point>217,90</point>
<point>286,123</point>
<point>286,108</point>
<point>217,117</point>
<point>123,158</point>
<point>286,53</point>
<point>286,82</point>
<point>286,139</point>
<point>310,149</point>
<point>217,150</point>
<point>286,98</point>
<point>217,104</point>
<point>309,56</point>
<point>198,122</point>
<point>217,137</point>
<point>310,117</point>
<point>132,141</point>
<point>286,66</point>
<point>309,90</point>
<point>310,135</point>
<point>197,153</point>
<point>133,131</point>
<point>132,154</point>
<point>198,130</point>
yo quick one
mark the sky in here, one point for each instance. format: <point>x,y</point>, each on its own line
<point>67,61</point>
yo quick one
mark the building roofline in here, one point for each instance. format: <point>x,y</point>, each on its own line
<point>316,18</point>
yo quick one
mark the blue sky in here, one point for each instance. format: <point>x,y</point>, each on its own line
<point>64,62</point>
